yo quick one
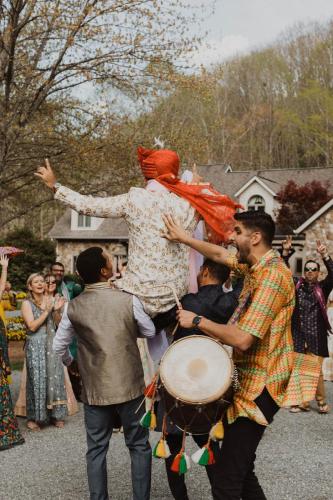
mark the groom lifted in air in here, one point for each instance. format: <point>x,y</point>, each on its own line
<point>156,268</point>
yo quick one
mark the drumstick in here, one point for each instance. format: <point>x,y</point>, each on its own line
<point>171,286</point>
<point>175,329</point>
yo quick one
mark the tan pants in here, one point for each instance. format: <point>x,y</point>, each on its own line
<point>320,392</point>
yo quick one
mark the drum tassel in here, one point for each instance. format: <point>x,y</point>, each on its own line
<point>204,456</point>
<point>217,431</point>
<point>181,463</point>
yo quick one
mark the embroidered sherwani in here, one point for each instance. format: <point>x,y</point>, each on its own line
<point>154,263</point>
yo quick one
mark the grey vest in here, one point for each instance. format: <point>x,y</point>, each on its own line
<point>108,355</point>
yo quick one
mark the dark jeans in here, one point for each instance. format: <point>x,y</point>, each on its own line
<point>177,482</point>
<point>236,478</point>
<point>100,422</point>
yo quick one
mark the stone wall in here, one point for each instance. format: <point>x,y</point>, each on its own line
<point>321,229</point>
<point>67,251</point>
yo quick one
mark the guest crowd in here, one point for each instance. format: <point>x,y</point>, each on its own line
<point>46,396</point>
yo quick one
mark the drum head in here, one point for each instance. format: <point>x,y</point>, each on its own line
<point>196,369</point>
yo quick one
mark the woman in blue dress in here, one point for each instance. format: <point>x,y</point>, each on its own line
<point>46,393</point>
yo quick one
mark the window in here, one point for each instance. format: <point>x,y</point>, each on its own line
<point>256,203</point>
<point>299,265</point>
<point>83,220</point>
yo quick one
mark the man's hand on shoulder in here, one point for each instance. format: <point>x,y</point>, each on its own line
<point>46,174</point>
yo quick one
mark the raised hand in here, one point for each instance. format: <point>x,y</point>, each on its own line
<point>196,177</point>
<point>286,245</point>
<point>46,174</point>
<point>4,261</point>
<point>59,302</point>
<point>174,231</point>
<point>322,249</point>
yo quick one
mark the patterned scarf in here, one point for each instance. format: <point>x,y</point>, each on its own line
<point>320,298</point>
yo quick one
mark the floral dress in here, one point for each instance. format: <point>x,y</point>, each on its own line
<point>9,431</point>
<point>46,393</point>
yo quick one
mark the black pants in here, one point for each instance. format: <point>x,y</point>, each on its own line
<point>176,482</point>
<point>236,478</point>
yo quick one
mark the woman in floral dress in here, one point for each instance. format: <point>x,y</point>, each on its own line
<point>46,393</point>
<point>9,431</point>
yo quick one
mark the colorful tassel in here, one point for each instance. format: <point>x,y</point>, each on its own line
<point>150,390</point>
<point>148,421</point>
<point>204,456</point>
<point>161,449</point>
<point>217,431</point>
<point>181,463</point>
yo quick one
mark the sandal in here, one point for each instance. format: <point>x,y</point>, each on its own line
<point>59,423</point>
<point>33,426</point>
<point>295,409</point>
<point>323,408</point>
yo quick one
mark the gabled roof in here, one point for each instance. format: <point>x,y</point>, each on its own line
<point>231,182</point>
<point>251,181</point>
<point>110,229</point>
<point>314,217</point>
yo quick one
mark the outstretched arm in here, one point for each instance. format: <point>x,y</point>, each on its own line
<point>4,267</point>
<point>111,206</point>
<point>175,232</point>
<point>326,283</point>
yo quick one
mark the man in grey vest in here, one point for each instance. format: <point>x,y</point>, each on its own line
<point>106,322</point>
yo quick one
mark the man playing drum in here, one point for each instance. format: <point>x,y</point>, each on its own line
<point>260,333</point>
<point>217,303</point>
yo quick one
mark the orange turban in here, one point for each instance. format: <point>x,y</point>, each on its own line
<point>156,162</point>
<point>216,209</point>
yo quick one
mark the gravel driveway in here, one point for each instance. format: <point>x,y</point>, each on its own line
<point>294,462</point>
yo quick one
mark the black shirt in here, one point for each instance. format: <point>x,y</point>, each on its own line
<point>212,303</point>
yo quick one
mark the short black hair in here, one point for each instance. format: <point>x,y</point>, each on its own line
<point>260,221</point>
<point>312,262</point>
<point>89,264</point>
<point>58,264</point>
<point>218,271</point>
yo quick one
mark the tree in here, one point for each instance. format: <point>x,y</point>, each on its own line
<point>38,255</point>
<point>47,49</point>
<point>298,203</point>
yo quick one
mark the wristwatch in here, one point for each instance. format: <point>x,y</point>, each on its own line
<point>56,187</point>
<point>196,320</point>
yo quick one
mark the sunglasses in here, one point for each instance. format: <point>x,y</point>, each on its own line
<point>311,269</point>
<point>50,282</point>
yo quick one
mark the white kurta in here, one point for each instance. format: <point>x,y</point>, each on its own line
<point>153,261</point>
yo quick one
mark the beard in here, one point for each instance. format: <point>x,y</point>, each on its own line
<point>243,254</point>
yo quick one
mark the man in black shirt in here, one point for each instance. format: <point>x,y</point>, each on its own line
<point>215,300</point>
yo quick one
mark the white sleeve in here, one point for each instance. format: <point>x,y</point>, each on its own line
<point>145,323</point>
<point>227,289</point>
<point>63,338</point>
<point>111,206</point>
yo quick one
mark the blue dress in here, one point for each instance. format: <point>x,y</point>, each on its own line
<point>46,393</point>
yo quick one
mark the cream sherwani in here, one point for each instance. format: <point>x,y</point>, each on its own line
<point>153,262</point>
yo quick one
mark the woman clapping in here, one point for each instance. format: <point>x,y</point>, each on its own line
<point>46,394</point>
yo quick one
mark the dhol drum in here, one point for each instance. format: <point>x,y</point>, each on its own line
<point>196,375</point>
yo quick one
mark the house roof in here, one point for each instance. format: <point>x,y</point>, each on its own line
<point>226,181</point>
<point>314,217</point>
<point>231,182</point>
<point>110,229</point>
